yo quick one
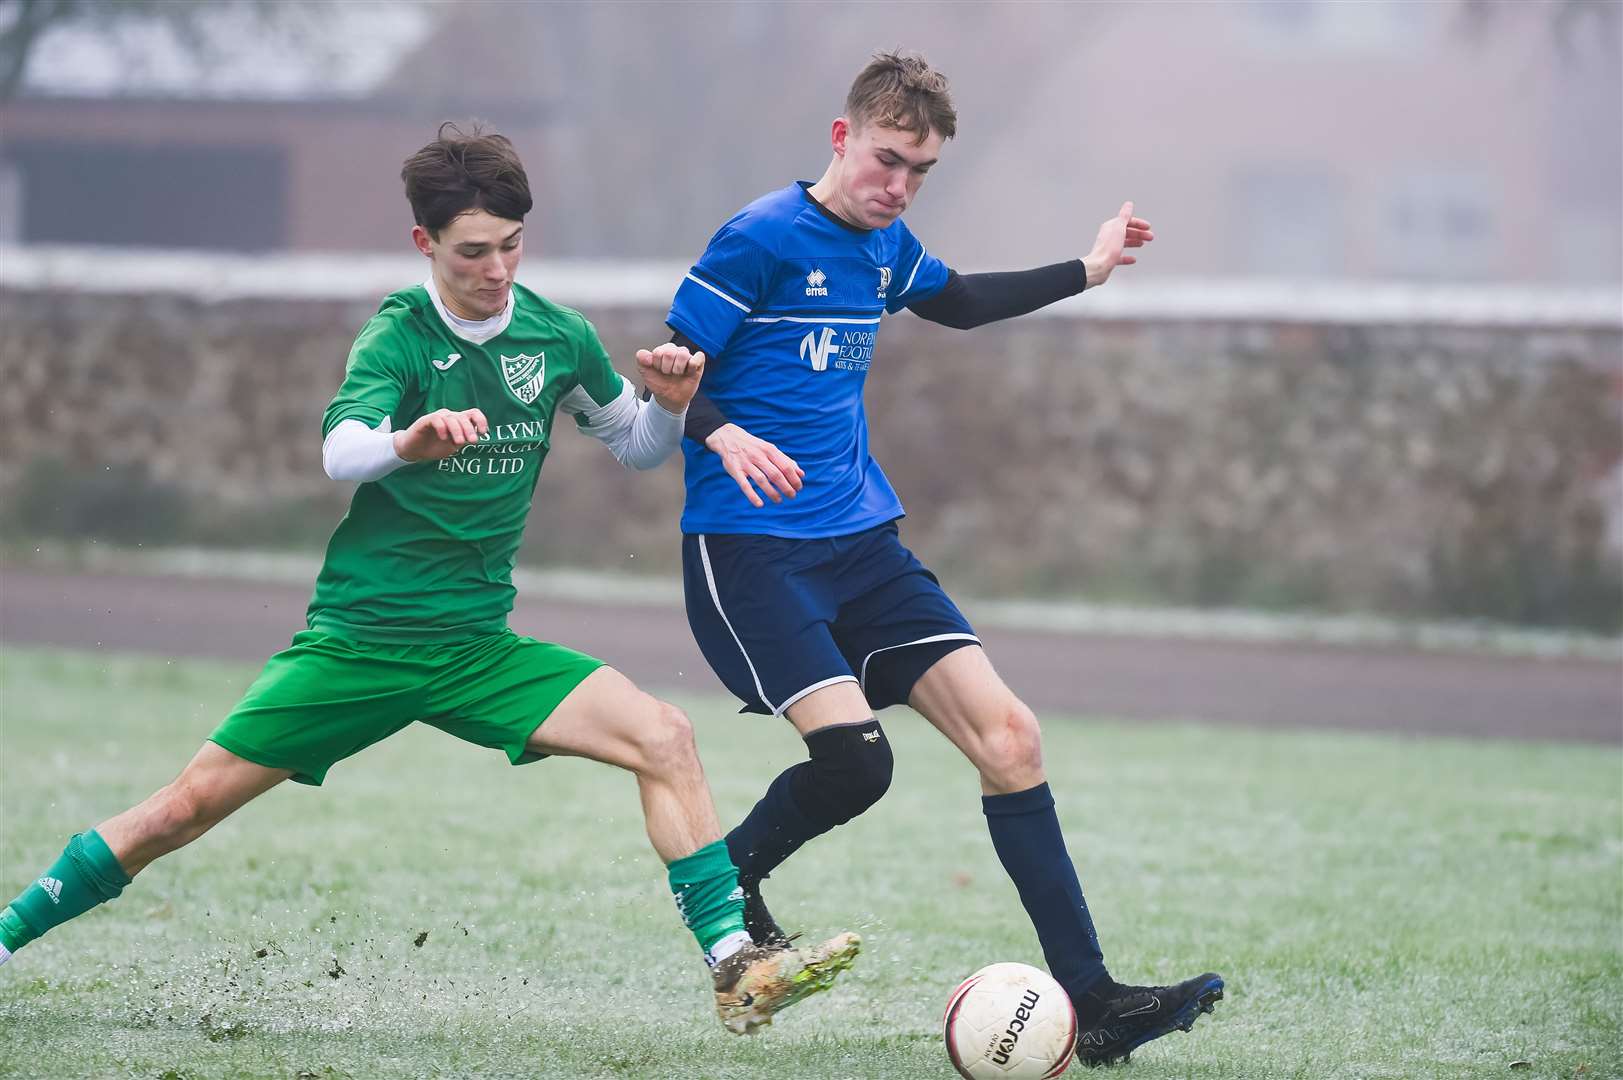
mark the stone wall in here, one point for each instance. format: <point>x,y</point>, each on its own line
<point>1430,469</point>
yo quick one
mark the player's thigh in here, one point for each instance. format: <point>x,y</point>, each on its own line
<point>608,719</point>
<point>323,699</point>
<point>220,783</point>
<point>760,608</point>
<point>500,691</point>
<point>964,698</point>
<point>830,706</point>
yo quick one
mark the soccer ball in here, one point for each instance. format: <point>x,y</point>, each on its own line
<point>1009,1022</point>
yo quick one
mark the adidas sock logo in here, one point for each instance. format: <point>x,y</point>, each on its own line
<point>53,889</point>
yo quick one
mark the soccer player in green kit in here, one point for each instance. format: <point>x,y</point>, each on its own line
<point>445,415</point>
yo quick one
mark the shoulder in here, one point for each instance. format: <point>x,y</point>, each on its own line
<point>537,309</point>
<point>764,222</point>
<point>397,324</point>
<point>401,307</point>
<point>531,304</point>
<point>553,317</point>
<point>899,234</point>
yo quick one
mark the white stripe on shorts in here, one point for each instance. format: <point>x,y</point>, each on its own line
<point>905,644</point>
<point>817,686</point>
<point>715,597</point>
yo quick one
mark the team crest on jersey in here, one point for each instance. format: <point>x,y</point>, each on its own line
<point>524,375</point>
<point>816,283</point>
<point>884,281</point>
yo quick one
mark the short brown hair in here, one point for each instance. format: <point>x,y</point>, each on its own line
<point>902,91</point>
<point>461,171</point>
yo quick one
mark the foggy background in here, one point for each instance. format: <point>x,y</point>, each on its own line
<point>1448,140</point>
<point>1371,362</point>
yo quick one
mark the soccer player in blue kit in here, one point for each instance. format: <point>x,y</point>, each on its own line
<point>810,607</point>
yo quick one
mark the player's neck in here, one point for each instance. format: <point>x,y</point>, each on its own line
<point>826,194</point>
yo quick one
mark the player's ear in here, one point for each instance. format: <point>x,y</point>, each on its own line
<point>420,237</point>
<point>838,134</point>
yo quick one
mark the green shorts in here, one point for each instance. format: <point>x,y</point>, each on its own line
<point>324,698</point>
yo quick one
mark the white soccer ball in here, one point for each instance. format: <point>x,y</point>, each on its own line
<point>1010,1022</point>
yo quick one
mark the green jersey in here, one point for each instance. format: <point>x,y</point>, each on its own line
<point>426,552</point>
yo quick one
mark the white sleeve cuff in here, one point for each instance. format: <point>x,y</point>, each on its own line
<point>353,451</point>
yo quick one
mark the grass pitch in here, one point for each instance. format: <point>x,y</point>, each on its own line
<point>1380,906</point>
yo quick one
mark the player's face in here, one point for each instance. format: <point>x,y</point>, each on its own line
<point>882,171</point>
<point>474,257</point>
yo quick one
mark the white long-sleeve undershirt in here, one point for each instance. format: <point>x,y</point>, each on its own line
<point>353,451</point>
<point>640,434</point>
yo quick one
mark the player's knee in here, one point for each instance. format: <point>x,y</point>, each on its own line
<point>665,739</point>
<point>850,770</point>
<point>1015,745</point>
<point>180,816</point>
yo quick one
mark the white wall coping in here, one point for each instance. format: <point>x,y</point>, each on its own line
<point>366,277</point>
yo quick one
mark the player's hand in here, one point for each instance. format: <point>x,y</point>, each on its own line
<point>1109,247</point>
<point>440,434</point>
<point>671,374</point>
<point>755,463</point>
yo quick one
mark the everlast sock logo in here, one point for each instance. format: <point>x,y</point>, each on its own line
<point>1006,1042</point>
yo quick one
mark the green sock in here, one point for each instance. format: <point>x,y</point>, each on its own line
<point>85,875</point>
<point>705,885</point>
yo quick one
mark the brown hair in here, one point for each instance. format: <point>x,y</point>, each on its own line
<point>462,171</point>
<point>902,91</point>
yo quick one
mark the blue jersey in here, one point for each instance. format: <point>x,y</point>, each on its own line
<point>786,303</point>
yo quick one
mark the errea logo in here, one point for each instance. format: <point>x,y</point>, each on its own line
<point>815,283</point>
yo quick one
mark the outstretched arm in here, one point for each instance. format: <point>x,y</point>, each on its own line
<point>971,300</point>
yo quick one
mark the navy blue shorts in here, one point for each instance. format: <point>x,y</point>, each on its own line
<point>780,618</point>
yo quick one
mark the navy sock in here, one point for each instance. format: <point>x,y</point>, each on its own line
<point>1026,834</point>
<point>849,770</point>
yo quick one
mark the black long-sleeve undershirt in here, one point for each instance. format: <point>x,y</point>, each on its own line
<point>965,302</point>
<point>970,300</point>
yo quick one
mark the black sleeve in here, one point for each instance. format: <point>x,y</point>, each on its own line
<point>703,415</point>
<point>970,300</point>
